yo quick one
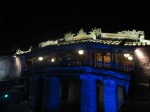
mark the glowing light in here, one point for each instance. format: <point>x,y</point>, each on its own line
<point>40,58</point>
<point>130,58</point>
<point>139,53</point>
<point>126,55</point>
<point>14,56</point>
<point>81,52</point>
<point>6,95</point>
<point>52,60</point>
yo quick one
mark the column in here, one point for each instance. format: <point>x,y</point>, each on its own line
<point>88,94</point>
<point>54,96</point>
<point>110,96</point>
<point>93,58</point>
<point>111,60</point>
<point>51,97</point>
<point>88,57</point>
<point>126,88</point>
<point>103,63</point>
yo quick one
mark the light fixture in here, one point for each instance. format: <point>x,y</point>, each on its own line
<point>40,58</point>
<point>130,58</point>
<point>52,60</point>
<point>81,52</point>
<point>139,53</point>
<point>6,95</point>
<point>126,55</point>
<point>14,56</point>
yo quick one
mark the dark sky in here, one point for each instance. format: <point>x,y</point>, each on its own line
<point>26,22</point>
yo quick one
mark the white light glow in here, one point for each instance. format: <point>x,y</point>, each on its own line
<point>52,60</point>
<point>81,52</point>
<point>40,58</point>
<point>139,53</point>
<point>6,95</point>
<point>126,55</point>
<point>130,58</point>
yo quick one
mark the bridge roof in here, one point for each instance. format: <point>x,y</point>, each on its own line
<point>110,42</point>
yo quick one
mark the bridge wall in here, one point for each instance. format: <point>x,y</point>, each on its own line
<point>141,72</point>
<point>142,65</point>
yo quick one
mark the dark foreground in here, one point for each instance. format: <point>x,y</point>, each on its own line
<point>130,105</point>
<point>135,105</point>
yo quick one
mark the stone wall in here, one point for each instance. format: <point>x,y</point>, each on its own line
<point>141,72</point>
<point>142,65</point>
<point>10,67</point>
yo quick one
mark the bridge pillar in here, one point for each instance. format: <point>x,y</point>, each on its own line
<point>88,57</point>
<point>88,94</point>
<point>111,60</point>
<point>110,96</point>
<point>54,96</point>
<point>54,102</point>
<point>51,97</point>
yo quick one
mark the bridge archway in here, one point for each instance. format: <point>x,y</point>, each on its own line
<point>84,89</point>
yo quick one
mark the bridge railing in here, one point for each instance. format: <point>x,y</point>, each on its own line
<point>77,63</point>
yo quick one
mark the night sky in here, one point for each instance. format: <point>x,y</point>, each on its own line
<point>26,22</point>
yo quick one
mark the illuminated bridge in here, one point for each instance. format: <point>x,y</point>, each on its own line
<point>84,73</point>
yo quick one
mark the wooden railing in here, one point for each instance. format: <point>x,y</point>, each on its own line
<point>77,63</point>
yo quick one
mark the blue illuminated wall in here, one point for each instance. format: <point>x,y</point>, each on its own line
<point>88,94</point>
<point>110,96</point>
<point>54,97</point>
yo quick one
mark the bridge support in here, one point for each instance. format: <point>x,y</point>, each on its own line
<point>51,97</point>
<point>54,97</point>
<point>88,94</point>
<point>110,96</point>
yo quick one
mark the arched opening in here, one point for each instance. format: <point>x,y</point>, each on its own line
<point>121,95</point>
<point>100,96</point>
<point>70,95</point>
